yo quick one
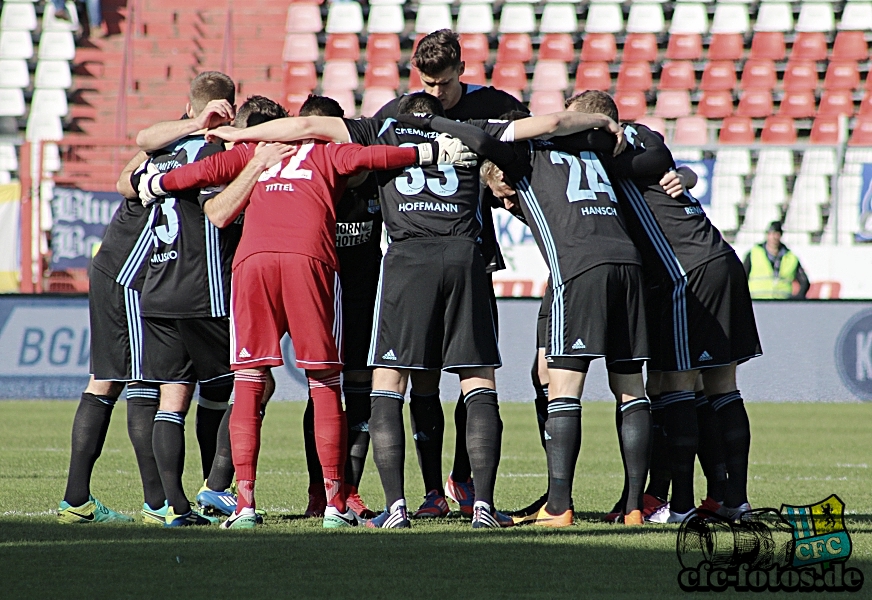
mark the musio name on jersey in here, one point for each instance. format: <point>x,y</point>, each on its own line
<point>606,211</point>
<point>353,234</point>
<point>280,187</point>
<point>162,257</point>
<point>431,206</point>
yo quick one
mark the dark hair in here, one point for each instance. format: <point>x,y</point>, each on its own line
<point>514,115</point>
<point>420,102</point>
<point>593,101</point>
<point>436,52</point>
<point>208,86</point>
<point>257,110</point>
<point>320,106</point>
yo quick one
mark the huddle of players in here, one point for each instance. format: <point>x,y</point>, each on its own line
<point>436,267</point>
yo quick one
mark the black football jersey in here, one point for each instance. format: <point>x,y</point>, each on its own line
<point>358,224</point>
<point>674,235</point>
<point>433,201</point>
<point>127,244</point>
<point>188,274</point>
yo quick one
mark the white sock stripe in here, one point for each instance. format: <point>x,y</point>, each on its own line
<point>138,392</point>
<point>388,394</point>
<point>479,392</point>
<point>726,399</point>
<point>673,397</point>
<point>170,417</point>
<point>324,383</point>
<point>250,377</point>
<point>628,405</point>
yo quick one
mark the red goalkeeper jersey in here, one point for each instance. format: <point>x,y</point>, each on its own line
<point>293,205</point>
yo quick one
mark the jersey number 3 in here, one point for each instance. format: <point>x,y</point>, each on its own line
<point>594,180</point>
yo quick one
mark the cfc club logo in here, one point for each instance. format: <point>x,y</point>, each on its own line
<point>854,355</point>
<point>796,549</point>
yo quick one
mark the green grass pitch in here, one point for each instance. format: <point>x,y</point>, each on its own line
<point>800,454</point>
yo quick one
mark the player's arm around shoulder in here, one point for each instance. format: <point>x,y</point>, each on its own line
<point>160,135</point>
<point>288,129</point>
<point>124,186</point>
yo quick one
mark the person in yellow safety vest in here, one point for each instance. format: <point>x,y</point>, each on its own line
<point>772,268</point>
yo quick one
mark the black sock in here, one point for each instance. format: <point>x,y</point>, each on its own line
<point>89,433</point>
<point>636,444</point>
<point>736,434</point>
<point>484,434</point>
<point>211,407</point>
<point>682,436</point>
<point>313,463</point>
<point>710,451</point>
<point>541,403</point>
<point>142,403</point>
<point>388,442</point>
<point>168,440</point>
<point>659,475</point>
<point>221,473</point>
<point>563,443</point>
<point>357,409</point>
<point>428,427</point>
<point>461,469</point>
<point>622,501</point>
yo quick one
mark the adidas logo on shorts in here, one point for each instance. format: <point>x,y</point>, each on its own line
<point>244,353</point>
<point>578,345</point>
<point>389,355</point>
<point>705,356</point>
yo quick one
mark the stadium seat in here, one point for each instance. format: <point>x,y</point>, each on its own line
<point>381,47</point>
<point>672,104</point>
<point>634,76</point>
<point>768,45</point>
<point>778,130</point>
<point>342,46</point>
<point>715,105</point>
<point>345,98</point>
<point>800,76</point>
<point>736,130</point>
<point>43,127</point>
<point>604,18</point>
<point>293,100</point>
<point>718,76</point>
<point>862,133</point>
<point>51,23</point>
<point>473,73</point>
<point>598,47</point>
<point>432,17</point>
<point>734,159</point>
<point>303,47</point>
<point>558,18</point>
<point>689,18</point>
<point>515,47</point>
<point>345,17</point>
<point>820,160</point>
<point>640,47</point>
<point>684,46</point>
<point>653,123</point>
<point>631,105</point>
<point>374,99</point>
<point>809,45</point>
<point>299,77</point>
<point>473,46</point>
<point>866,104</point>
<point>50,101</point>
<point>16,45</point>
<point>842,76</point>
<point>11,102</point>
<point>54,74</point>
<point>384,75</point>
<point>798,105</point>
<point>386,18</point>
<point>18,17</point>
<point>774,16</point>
<point>836,102</point>
<point>549,76</point>
<point>758,75</point>
<point>856,16</point>
<point>593,76</point>
<point>815,16</point>
<point>727,192</point>
<point>825,130</point>
<point>557,46</point>
<point>509,76</point>
<point>51,158</point>
<point>8,157</point>
<point>850,45</point>
<point>645,17</point>
<point>730,18</point>
<point>755,103</point>
<point>340,75</point>
<point>14,74</point>
<point>677,75</point>
<point>303,18</point>
<point>56,45</point>
<point>544,102</point>
<point>690,131</point>
<point>517,18</point>
<point>726,46</point>
<point>475,18</point>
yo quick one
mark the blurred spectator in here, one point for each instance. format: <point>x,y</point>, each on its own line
<point>772,268</point>
<point>95,15</point>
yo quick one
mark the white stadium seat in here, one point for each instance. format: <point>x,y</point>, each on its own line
<point>345,17</point>
<point>18,17</point>
<point>387,18</point>
<point>57,45</point>
<point>14,74</point>
<point>645,17</point>
<point>53,74</point>
<point>11,102</point>
<point>16,44</point>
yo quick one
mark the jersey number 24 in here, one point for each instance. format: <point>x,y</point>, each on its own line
<point>593,180</point>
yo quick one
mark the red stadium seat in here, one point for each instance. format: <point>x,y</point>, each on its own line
<point>654,123</point>
<point>672,104</point>
<point>385,47</point>
<point>836,102</point>
<point>768,45</point>
<point>509,76</point>
<point>719,75</point>
<point>758,75</point>
<point>684,46</point>
<point>690,131</point>
<point>300,77</point>
<point>778,130</point>
<point>677,75</point>
<point>301,47</point>
<point>634,77</point>
<point>384,75</point>
<point>593,76</point>
<point>550,76</point>
<point>599,47</point>
<point>842,75</point>
<point>640,47</point>
<point>342,46</point>
<point>797,105</point>
<point>715,105</point>
<point>631,105</point>
<point>755,103</point>
<point>809,45</point>
<point>474,47</point>
<point>736,130</point>
<point>474,73</point>
<point>294,100</point>
<point>800,76</point>
<point>414,80</point>
<point>866,104</point>
<point>557,46</point>
<point>345,98</point>
<point>850,45</point>
<point>726,46</point>
<point>825,130</point>
<point>339,75</point>
<point>862,133</point>
<point>543,103</point>
<point>515,47</point>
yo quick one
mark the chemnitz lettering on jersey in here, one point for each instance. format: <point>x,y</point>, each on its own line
<point>432,135</point>
<point>606,211</point>
<point>432,206</point>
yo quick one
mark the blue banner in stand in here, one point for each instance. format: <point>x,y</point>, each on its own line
<point>864,234</point>
<point>704,169</point>
<point>79,219</point>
